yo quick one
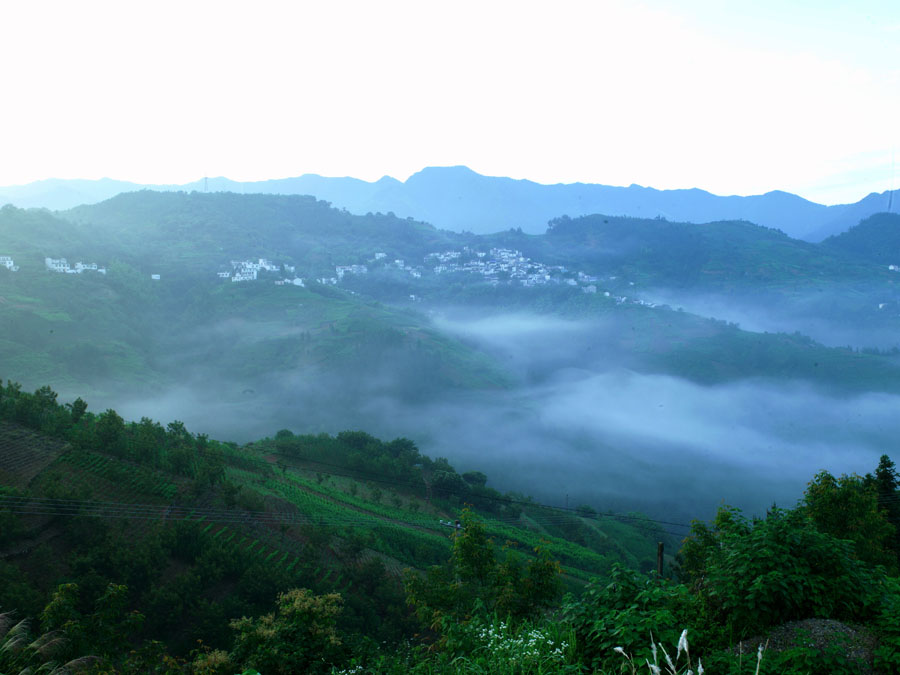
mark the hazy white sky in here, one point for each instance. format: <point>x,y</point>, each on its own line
<point>733,97</point>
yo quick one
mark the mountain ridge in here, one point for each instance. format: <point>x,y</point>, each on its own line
<point>460,199</point>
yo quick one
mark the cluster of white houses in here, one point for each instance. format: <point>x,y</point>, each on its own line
<point>516,268</point>
<point>7,262</point>
<point>62,266</point>
<point>341,270</point>
<point>499,265</point>
<point>401,265</point>
<point>495,266</point>
<point>509,264</point>
<point>248,270</point>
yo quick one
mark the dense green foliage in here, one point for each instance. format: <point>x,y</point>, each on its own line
<point>303,596</point>
<point>222,529</point>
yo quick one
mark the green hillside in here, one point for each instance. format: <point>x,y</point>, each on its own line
<point>122,332</point>
<point>214,530</point>
<point>141,546</point>
<point>119,333</point>
<point>876,240</point>
<point>721,254</point>
<point>181,233</point>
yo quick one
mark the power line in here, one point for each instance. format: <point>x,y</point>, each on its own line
<point>36,506</point>
<point>74,507</point>
<point>360,474</point>
<point>556,515</point>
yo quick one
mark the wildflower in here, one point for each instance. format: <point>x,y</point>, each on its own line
<point>682,643</point>
<point>619,650</point>
<point>668,659</point>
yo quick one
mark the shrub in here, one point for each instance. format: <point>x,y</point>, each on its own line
<point>300,637</point>
<point>623,612</point>
<point>755,574</point>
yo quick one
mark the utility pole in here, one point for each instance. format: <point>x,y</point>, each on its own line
<point>659,559</point>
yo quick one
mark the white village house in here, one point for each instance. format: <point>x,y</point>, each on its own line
<point>350,269</point>
<point>61,265</point>
<point>57,264</point>
<point>7,262</point>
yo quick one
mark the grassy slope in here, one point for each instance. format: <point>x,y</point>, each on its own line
<point>395,523</point>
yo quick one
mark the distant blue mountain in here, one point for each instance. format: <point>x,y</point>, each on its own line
<point>457,198</point>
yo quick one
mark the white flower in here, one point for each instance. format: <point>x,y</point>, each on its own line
<point>619,650</point>
<point>668,659</point>
<point>682,644</point>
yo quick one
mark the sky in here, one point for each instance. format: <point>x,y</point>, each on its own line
<point>732,97</point>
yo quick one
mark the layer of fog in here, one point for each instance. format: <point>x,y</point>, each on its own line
<point>581,427</point>
<point>869,318</point>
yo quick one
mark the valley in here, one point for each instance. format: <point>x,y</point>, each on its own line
<point>577,356</point>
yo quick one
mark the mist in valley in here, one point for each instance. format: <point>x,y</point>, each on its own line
<point>862,318</point>
<point>582,421</point>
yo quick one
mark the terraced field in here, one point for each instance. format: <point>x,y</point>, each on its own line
<point>25,453</point>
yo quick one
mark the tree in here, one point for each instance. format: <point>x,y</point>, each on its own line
<point>78,407</point>
<point>299,637</point>
<point>752,574</point>
<point>148,439</point>
<point>847,508</point>
<point>105,632</point>
<point>473,580</point>
<point>887,483</point>
<point>475,478</point>
<point>886,480</point>
<point>110,433</point>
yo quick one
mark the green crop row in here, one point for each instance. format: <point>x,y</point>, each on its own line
<point>385,510</point>
<point>139,478</point>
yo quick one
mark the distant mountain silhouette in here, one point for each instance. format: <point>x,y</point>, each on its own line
<point>457,198</point>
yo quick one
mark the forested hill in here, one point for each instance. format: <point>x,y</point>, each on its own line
<point>188,229</point>
<point>181,229</point>
<point>876,239</point>
<point>731,253</point>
